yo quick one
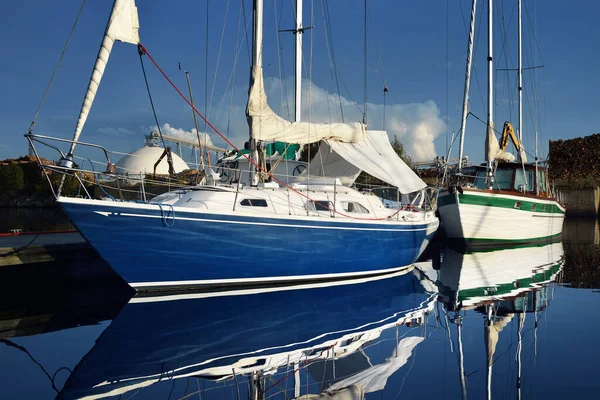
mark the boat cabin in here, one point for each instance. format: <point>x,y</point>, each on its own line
<point>515,177</point>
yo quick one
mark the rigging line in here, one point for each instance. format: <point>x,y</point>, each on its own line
<point>447,68</point>
<point>142,49</point>
<point>505,50</point>
<point>246,32</point>
<point>231,80</point>
<point>212,91</point>
<point>331,63</point>
<point>57,66</point>
<point>232,76</point>
<point>537,45</point>
<point>331,54</point>
<point>385,87</point>
<point>10,343</point>
<point>495,130</point>
<point>365,65</point>
<point>338,77</point>
<point>279,56</point>
<point>281,65</point>
<point>206,64</point>
<point>474,68</point>
<point>141,53</point>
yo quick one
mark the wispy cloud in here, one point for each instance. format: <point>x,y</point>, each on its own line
<point>115,132</point>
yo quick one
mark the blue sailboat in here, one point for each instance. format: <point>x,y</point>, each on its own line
<point>316,228</point>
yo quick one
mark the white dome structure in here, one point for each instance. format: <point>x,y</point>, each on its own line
<point>141,161</point>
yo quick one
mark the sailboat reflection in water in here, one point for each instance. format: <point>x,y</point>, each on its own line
<point>503,285</point>
<point>337,341</point>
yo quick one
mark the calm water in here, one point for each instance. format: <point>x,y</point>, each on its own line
<point>493,324</point>
<point>33,219</point>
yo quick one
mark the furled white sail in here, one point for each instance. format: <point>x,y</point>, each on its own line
<point>376,156</point>
<point>492,148</point>
<point>266,125</point>
<point>123,25</point>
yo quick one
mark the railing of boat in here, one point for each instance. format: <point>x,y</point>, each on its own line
<point>136,186</point>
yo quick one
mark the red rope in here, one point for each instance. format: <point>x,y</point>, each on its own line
<point>145,51</point>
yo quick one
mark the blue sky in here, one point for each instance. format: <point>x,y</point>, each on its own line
<point>411,37</point>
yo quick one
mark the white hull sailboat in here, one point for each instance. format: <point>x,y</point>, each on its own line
<point>502,202</point>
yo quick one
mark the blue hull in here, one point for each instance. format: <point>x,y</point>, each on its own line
<point>152,245</point>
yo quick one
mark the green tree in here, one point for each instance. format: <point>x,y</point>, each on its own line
<point>11,178</point>
<point>399,149</point>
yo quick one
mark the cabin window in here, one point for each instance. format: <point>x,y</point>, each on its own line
<point>521,182</point>
<point>503,179</point>
<point>517,204</point>
<point>541,179</point>
<point>354,207</point>
<point>254,202</point>
<point>533,207</point>
<point>319,205</point>
<point>544,208</point>
<point>480,180</point>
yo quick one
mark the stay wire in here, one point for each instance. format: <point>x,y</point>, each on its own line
<point>145,51</point>
<point>10,343</point>
<point>57,66</point>
<point>141,53</point>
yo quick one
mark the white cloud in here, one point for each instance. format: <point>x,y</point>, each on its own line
<point>417,125</point>
<point>179,133</point>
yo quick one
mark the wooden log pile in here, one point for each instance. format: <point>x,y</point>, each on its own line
<point>575,160</point>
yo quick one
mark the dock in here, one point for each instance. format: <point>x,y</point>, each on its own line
<point>34,247</point>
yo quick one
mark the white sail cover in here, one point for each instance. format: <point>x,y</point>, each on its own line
<point>329,164</point>
<point>374,379</point>
<point>376,157</point>
<point>268,126</point>
<point>123,25</point>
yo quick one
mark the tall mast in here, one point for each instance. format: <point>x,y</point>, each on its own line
<point>461,359</point>
<point>520,73</point>
<point>465,110</point>
<point>365,65</point>
<point>519,348</point>
<point>257,13</point>
<point>298,75</point>
<point>490,113</point>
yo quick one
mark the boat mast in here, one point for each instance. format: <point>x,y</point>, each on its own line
<point>257,14</point>
<point>520,73</point>
<point>461,358</point>
<point>298,76</point>
<point>490,113</point>
<point>465,110</point>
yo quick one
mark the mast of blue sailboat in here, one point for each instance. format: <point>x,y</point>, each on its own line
<point>298,71</point>
<point>298,115</point>
<point>520,74</point>
<point>257,15</point>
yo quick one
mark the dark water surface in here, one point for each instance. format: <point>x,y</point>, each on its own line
<point>499,324</point>
<point>33,219</point>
